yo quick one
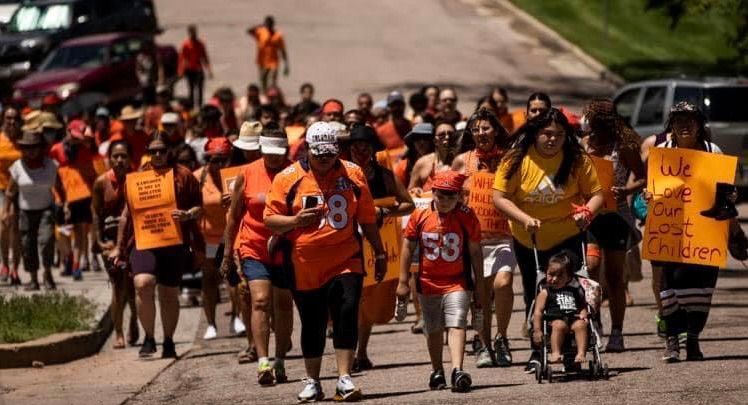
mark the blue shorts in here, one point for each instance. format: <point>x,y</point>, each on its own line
<point>254,270</point>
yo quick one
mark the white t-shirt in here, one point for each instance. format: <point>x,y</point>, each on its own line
<point>34,185</point>
<point>709,146</point>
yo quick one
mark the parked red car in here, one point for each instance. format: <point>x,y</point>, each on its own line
<point>93,70</point>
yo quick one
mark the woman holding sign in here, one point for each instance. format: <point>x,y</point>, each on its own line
<point>391,200</point>
<point>614,148</point>
<point>548,188</point>
<point>107,205</point>
<point>686,289</point>
<point>318,205</point>
<point>480,164</point>
<point>263,286</point>
<point>163,204</point>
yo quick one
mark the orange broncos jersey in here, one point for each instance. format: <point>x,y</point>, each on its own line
<point>442,241</point>
<point>324,251</point>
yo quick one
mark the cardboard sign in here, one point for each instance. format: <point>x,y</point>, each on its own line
<point>493,224</point>
<point>151,199</point>
<point>228,178</point>
<point>99,165</point>
<point>683,184</point>
<point>606,178</point>
<point>75,184</point>
<point>420,202</point>
<point>391,235</point>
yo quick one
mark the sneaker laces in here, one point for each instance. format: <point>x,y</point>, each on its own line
<point>345,383</point>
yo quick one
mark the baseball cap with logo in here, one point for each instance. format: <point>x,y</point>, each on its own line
<point>322,139</point>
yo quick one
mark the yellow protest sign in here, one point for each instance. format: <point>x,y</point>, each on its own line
<point>228,178</point>
<point>606,177</point>
<point>75,185</point>
<point>391,235</point>
<point>683,184</point>
<point>151,199</point>
<point>493,224</point>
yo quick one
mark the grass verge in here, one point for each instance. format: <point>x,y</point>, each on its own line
<point>24,318</point>
<point>640,44</point>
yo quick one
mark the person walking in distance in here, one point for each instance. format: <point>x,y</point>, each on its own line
<point>193,61</point>
<point>270,43</point>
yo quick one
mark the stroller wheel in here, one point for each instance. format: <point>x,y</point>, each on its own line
<point>539,375</point>
<point>549,374</point>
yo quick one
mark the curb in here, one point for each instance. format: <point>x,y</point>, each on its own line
<point>602,70</point>
<point>57,348</point>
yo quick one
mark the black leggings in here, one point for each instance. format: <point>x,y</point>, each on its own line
<point>686,292</point>
<point>339,299</point>
<point>526,262</point>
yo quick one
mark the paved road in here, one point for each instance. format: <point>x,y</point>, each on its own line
<point>353,46</point>
<point>357,46</point>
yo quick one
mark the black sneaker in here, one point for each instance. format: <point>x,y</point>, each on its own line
<point>168,350</point>
<point>461,381</point>
<point>501,348</point>
<point>437,381</point>
<point>148,348</point>
<point>672,350</point>
<point>693,351</point>
<point>533,363</point>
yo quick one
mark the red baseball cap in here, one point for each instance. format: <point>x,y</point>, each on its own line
<point>218,146</point>
<point>77,129</point>
<point>51,99</point>
<point>449,180</point>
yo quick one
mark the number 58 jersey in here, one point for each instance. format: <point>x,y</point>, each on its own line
<point>330,247</point>
<point>444,264</point>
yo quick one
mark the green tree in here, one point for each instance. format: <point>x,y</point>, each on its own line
<point>736,10</point>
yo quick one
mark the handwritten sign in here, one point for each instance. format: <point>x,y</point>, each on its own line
<point>75,185</point>
<point>683,184</point>
<point>424,201</point>
<point>391,235</point>
<point>493,224</point>
<point>606,177</point>
<point>228,178</point>
<point>150,196</point>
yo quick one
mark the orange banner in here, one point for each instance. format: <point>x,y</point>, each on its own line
<point>150,196</point>
<point>606,177</point>
<point>683,184</point>
<point>76,186</point>
<point>493,224</point>
<point>392,241</point>
<point>228,178</point>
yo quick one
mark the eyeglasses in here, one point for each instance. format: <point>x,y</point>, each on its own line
<point>158,151</point>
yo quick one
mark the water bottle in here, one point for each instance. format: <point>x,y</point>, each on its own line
<point>401,309</point>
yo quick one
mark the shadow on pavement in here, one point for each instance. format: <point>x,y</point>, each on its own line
<point>487,386</point>
<point>398,365</point>
<point>723,339</point>
<point>730,357</point>
<point>392,394</point>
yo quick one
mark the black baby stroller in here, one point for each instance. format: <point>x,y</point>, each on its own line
<point>597,368</point>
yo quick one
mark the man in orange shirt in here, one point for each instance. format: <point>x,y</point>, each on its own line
<point>448,235</point>
<point>269,44</point>
<point>9,237</point>
<point>392,132</point>
<point>193,58</point>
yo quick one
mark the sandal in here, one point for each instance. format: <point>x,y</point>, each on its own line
<point>248,355</point>
<point>417,328</point>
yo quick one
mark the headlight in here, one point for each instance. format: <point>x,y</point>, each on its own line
<point>67,89</point>
<point>17,94</point>
<point>32,42</point>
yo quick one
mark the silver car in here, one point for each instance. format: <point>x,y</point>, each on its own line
<point>724,101</point>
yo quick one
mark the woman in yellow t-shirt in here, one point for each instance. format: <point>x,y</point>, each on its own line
<point>548,188</point>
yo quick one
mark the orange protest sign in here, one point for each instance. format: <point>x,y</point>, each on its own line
<point>606,177</point>
<point>392,241</point>
<point>99,165</point>
<point>151,199</point>
<point>294,133</point>
<point>420,202</point>
<point>683,184</point>
<point>75,185</point>
<point>493,224</point>
<point>228,177</point>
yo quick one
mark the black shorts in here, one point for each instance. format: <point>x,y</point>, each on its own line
<point>165,263</point>
<point>80,212</point>
<point>610,231</point>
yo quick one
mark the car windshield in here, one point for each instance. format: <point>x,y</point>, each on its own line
<point>81,56</point>
<point>726,104</point>
<point>40,18</point>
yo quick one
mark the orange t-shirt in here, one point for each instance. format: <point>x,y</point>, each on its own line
<point>213,221</point>
<point>9,153</point>
<point>268,47</point>
<point>441,240</point>
<point>253,234</point>
<point>322,252</point>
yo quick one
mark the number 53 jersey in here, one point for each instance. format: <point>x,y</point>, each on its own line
<point>443,245</point>
<point>331,246</point>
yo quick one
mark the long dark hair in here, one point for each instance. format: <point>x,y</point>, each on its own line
<point>528,133</point>
<point>502,138</point>
<point>538,96</point>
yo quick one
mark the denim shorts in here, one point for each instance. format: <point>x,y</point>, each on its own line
<point>254,270</point>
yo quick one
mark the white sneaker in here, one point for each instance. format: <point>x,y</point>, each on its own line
<point>210,333</point>
<point>346,391</point>
<point>238,326</point>
<point>312,391</point>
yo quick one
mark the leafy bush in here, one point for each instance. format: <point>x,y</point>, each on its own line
<point>24,318</point>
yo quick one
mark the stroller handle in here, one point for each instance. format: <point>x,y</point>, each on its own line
<point>583,271</point>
